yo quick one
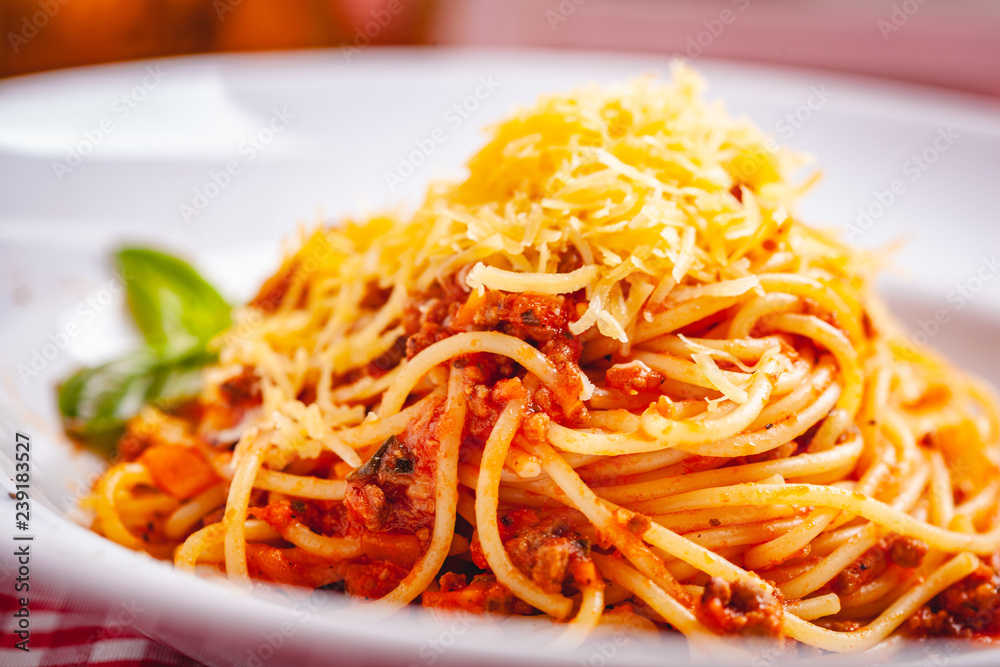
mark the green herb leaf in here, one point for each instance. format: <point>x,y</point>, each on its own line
<point>174,307</point>
<point>178,313</point>
<point>96,402</point>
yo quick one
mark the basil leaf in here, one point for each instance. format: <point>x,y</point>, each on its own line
<point>174,307</point>
<point>178,313</point>
<point>178,380</point>
<point>97,402</point>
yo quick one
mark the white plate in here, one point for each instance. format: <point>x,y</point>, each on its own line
<point>94,157</point>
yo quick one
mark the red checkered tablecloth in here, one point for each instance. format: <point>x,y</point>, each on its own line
<point>62,635</point>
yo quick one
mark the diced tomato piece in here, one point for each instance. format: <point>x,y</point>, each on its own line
<point>180,471</point>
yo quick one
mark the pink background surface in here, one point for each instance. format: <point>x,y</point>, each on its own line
<point>951,43</point>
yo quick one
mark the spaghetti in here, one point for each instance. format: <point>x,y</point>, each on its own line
<point>609,375</point>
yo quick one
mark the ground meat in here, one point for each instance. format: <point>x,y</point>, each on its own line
<point>638,524</point>
<point>969,608</point>
<point>369,579</point>
<point>453,287</point>
<point>388,360</point>
<point>432,317</point>
<point>241,390</point>
<point>394,490</point>
<point>570,260</point>
<point>632,378</point>
<point>906,551</point>
<point>865,569</point>
<point>485,404</point>
<point>132,443</point>
<point>935,624</point>
<point>547,551</point>
<point>895,550</point>
<point>423,324</point>
<point>378,493</point>
<point>325,517</point>
<point>375,297</point>
<point>482,414</point>
<point>746,608</point>
<point>369,503</point>
<point>273,291</point>
<point>562,401</point>
<point>535,427</point>
<point>545,401</point>
<point>485,595</point>
<point>276,514</point>
<point>486,369</point>
<point>509,523</point>
<point>237,395</point>
<point>418,342</point>
<point>477,313</point>
<point>307,395</point>
<point>563,350</point>
<point>538,317</point>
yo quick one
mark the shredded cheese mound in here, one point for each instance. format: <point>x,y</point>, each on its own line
<point>655,194</point>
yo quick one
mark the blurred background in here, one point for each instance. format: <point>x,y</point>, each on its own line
<point>953,43</point>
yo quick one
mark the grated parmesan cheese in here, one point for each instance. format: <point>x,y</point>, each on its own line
<point>661,197</point>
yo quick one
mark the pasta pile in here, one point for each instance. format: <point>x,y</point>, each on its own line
<point>609,377</point>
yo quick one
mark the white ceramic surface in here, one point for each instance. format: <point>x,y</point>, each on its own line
<point>95,157</point>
